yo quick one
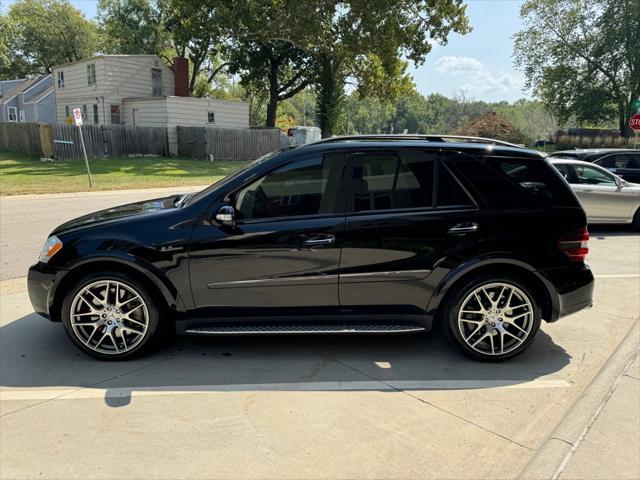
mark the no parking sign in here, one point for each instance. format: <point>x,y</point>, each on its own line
<point>77,117</point>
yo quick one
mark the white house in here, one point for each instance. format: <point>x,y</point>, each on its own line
<point>139,90</point>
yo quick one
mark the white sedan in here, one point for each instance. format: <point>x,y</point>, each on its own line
<point>605,197</point>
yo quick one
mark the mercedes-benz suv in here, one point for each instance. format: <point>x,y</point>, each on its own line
<point>349,235</point>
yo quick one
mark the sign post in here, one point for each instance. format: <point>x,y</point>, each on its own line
<point>77,118</point>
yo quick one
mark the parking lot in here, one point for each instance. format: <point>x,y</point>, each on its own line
<point>312,407</point>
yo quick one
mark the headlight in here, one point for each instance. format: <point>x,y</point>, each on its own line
<point>51,247</point>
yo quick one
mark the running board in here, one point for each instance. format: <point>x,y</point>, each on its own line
<point>303,329</point>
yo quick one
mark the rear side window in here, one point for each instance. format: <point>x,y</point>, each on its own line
<point>536,177</point>
<point>393,181</point>
<point>625,160</point>
<point>512,183</point>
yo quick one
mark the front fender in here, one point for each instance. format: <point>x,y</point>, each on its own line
<point>121,261</point>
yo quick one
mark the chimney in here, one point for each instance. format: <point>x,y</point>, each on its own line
<point>181,75</point>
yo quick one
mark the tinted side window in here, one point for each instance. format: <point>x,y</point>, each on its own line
<point>536,177</point>
<point>625,161</point>
<point>512,183</point>
<point>304,187</point>
<point>450,193</point>
<point>392,181</point>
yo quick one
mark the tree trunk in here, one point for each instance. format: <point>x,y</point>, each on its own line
<point>329,97</point>
<point>272,106</point>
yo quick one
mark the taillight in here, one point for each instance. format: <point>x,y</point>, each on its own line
<point>574,245</point>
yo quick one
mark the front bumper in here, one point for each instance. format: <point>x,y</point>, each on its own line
<point>573,287</point>
<point>41,283</point>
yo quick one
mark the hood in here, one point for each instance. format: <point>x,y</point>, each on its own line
<point>123,211</point>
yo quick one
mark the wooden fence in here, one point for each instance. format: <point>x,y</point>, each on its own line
<point>23,138</point>
<point>108,141</point>
<point>227,143</point>
<point>63,141</point>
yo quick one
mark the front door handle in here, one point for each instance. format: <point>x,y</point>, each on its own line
<point>462,228</point>
<point>318,240</point>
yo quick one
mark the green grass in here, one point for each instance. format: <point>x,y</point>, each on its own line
<point>24,174</point>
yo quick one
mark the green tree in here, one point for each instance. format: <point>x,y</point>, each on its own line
<point>44,33</point>
<point>198,32</point>
<point>279,68</point>
<point>360,42</point>
<point>132,26</point>
<point>582,58</point>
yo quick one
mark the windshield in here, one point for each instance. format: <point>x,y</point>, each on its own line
<point>223,181</point>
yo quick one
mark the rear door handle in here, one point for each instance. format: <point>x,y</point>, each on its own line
<point>462,228</point>
<point>318,240</point>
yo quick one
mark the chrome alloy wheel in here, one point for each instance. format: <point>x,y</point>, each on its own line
<point>495,318</point>
<point>109,317</point>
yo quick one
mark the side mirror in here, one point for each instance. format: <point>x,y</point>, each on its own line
<point>226,216</point>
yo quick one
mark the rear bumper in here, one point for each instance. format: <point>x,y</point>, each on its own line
<point>41,282</point>
<point>572,288</point>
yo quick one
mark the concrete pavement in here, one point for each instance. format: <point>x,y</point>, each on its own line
<point>26,220</point>
<point>322,407</point>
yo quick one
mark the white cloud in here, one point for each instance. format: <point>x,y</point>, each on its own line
<point>457,65</point>
<point>478,80</point>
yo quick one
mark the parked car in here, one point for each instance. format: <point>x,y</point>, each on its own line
<point>623,162</point>
<point>606,198</point>
<point>374,235</point>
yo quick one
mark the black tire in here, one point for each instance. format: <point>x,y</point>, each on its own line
<point>636,220</point>
<point>454,303</point>
<point>153,331</point>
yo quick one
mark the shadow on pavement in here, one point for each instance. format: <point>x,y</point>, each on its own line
<point>35,353</point>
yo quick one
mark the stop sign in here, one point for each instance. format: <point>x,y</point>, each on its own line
<point>634,122</point>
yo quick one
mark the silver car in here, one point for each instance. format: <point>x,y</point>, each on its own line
<point>605,197</point>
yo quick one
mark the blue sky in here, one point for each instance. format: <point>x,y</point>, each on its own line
<point>478,64</point>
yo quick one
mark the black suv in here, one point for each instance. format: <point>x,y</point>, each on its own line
<point>373,235</point>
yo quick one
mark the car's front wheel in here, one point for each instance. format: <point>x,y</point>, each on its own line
<point>492,319</point>
<point>111,316</point>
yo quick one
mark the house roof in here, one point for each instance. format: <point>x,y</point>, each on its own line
<point>22,87</point>
<point>36,98</point>
<point>100,56</point>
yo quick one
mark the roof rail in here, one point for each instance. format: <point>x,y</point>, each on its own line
<point>428,138</point>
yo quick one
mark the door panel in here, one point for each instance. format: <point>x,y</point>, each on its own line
<point>283,250</point>
<point>395,232</point>
<point>266,264</point>
<point>600,196</point>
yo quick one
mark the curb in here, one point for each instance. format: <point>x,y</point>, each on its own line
<point>555,452</point>
<point>100,193</point>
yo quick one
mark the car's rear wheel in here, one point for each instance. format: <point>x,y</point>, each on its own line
<point>492,319</point>
<point>111,316</point>
<point>636,220</point>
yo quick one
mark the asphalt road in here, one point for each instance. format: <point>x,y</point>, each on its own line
<point>291,407</point>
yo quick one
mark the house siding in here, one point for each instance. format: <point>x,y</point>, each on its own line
<point>44,111</point>
<point>117,77</point>
<point>171,112</point>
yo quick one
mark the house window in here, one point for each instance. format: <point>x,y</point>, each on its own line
<point>84,112</point>
<point>22,117</point>
<point>96,119</point>
<point>115,114</point>
<point>13,114</point>
<point>91,74</point>
<point>60,79</point>
<point>66,112</point>
<point>211,117</point>
<point>156,82</point>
